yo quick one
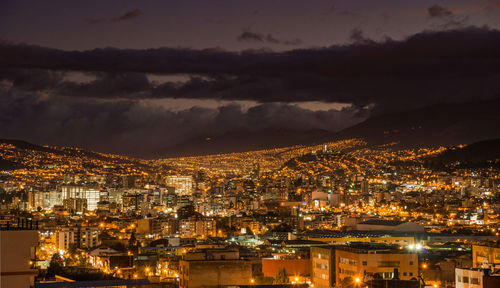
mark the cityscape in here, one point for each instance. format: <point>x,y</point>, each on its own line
<point>360,148</point>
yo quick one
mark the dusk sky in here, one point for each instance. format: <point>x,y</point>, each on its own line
<point>198,24</point>
<point>128,76</point>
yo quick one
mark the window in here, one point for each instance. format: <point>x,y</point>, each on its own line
<point>459,279</point>
<point>364,263</point>
<point>411,262</point>
<point>474,280</point>
<point>388,263</point>
<point>466,279</point>
<point>404,273</point>
<point>411,273</point>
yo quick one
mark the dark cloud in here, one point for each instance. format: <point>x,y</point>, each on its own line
<point>357,37</point>
<point>447,19</point>
<point>129,15</point>
<point>41,99</point>
<point>249,36</point>
<point>427,68</point>
<point>138,127</point>
<point>438,11</point>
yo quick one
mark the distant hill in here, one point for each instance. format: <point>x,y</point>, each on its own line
<point>438,125</point>
<point>66,151</point>
<point>6,165</point>
<point>246,141</point>
<point>481,154</point>
<point>29,146</point>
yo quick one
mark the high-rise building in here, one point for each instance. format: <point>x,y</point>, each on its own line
<point>75,205</point>
<point>183,184</point>
<point>197,226</point>
<point>84,237</point>
<point>92,194</point>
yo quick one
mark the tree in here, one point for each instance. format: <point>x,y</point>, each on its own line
<point>55,266</point>
<point>132,242</point>
<point>347,282</point>
<point>281,277</point>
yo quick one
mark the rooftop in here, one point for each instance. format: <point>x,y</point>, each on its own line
<point>382,222</point>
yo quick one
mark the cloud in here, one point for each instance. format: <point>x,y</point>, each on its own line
<point>129,15</point>
<point>424,69</point>
<point>114,103</point>
<point>438,11</point>
<point>447,18</point>
<point>141,128</point>
<point>126,16</point>
<point>357,37</point>
<point>249,36</point>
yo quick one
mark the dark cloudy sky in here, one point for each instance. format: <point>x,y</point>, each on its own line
<point>136,76</point>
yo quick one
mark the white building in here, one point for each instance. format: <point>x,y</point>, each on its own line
<point>183,184</point>
<point>85,192</point>
<point>469,277</point>
<point>44,199</point>
<point>84,237</point>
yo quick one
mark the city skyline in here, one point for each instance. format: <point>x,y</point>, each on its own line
<point>250,144</point>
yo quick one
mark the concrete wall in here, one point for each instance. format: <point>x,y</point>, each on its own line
<point>17,249</point>
<point>196,274</point>
<point>294,267</point>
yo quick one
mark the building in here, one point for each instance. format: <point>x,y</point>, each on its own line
<point>183,185</point>
<point>131,201</point>
<point>75,205</point>
<point>468,278</point>
<point>92,194</point>
<point>197,226</point>
<point>295,267</point>
<point>214,267</point>
<point>393,240</point>
<point>487,277</point>
<point>148,226</point>
<point>17,255</point>
<point>485,255</point>
<point>330,265</point>
<point>389,225</point>
<point>45,199</point>
<point>83,237</point>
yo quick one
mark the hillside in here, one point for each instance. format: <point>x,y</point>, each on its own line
<point>481,154</point>
<point>438,125</point>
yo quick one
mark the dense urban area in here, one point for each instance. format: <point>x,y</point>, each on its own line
<point>339,214</point>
